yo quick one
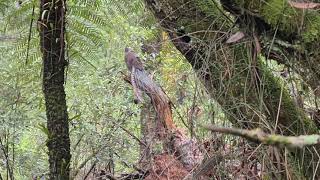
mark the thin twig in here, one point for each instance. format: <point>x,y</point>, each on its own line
<point>132,135</point>
<point>30,32</point>
<point>92,166</point>
<point>6,155</point>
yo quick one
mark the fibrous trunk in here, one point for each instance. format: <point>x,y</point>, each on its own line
<point>52,41</point>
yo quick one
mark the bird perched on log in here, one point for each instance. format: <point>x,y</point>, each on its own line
<point>142,82</point>
<point>134,65</point>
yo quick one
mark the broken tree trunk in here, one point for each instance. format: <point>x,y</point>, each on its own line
<point>250,95</point>
<point>148,136</point>
<point>182,150</point>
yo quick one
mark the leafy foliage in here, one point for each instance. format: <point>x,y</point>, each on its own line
<point>97,32</point>
<point>100,103</point>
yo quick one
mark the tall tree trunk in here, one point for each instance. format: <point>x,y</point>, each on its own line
<point>52,37</point>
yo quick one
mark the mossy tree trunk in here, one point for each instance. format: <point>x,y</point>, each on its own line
<point>52,41</point>
<point>296,33</point>
<point>250,95</point>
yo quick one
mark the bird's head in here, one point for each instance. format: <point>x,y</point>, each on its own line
<point>127,49</point>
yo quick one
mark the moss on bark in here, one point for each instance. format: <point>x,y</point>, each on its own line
<point>52,42</point>
<point>245,88</point>
<point>299,27</point>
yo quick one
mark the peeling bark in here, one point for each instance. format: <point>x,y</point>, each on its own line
<point>175,142</point>
<point>233,75</point>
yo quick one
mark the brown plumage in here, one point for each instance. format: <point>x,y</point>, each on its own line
<point>134,64</point>
<point>132,60</point>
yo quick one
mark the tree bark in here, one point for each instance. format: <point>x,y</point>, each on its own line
<point>296,32</point>
<point>148,134</point>
<point>52,42</point>
<point>162,127</point>
<point>250,95</point>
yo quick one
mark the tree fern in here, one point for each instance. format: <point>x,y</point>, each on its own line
<point>97,32</point>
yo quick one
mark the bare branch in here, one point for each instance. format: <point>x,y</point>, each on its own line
<point>258,135</point>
